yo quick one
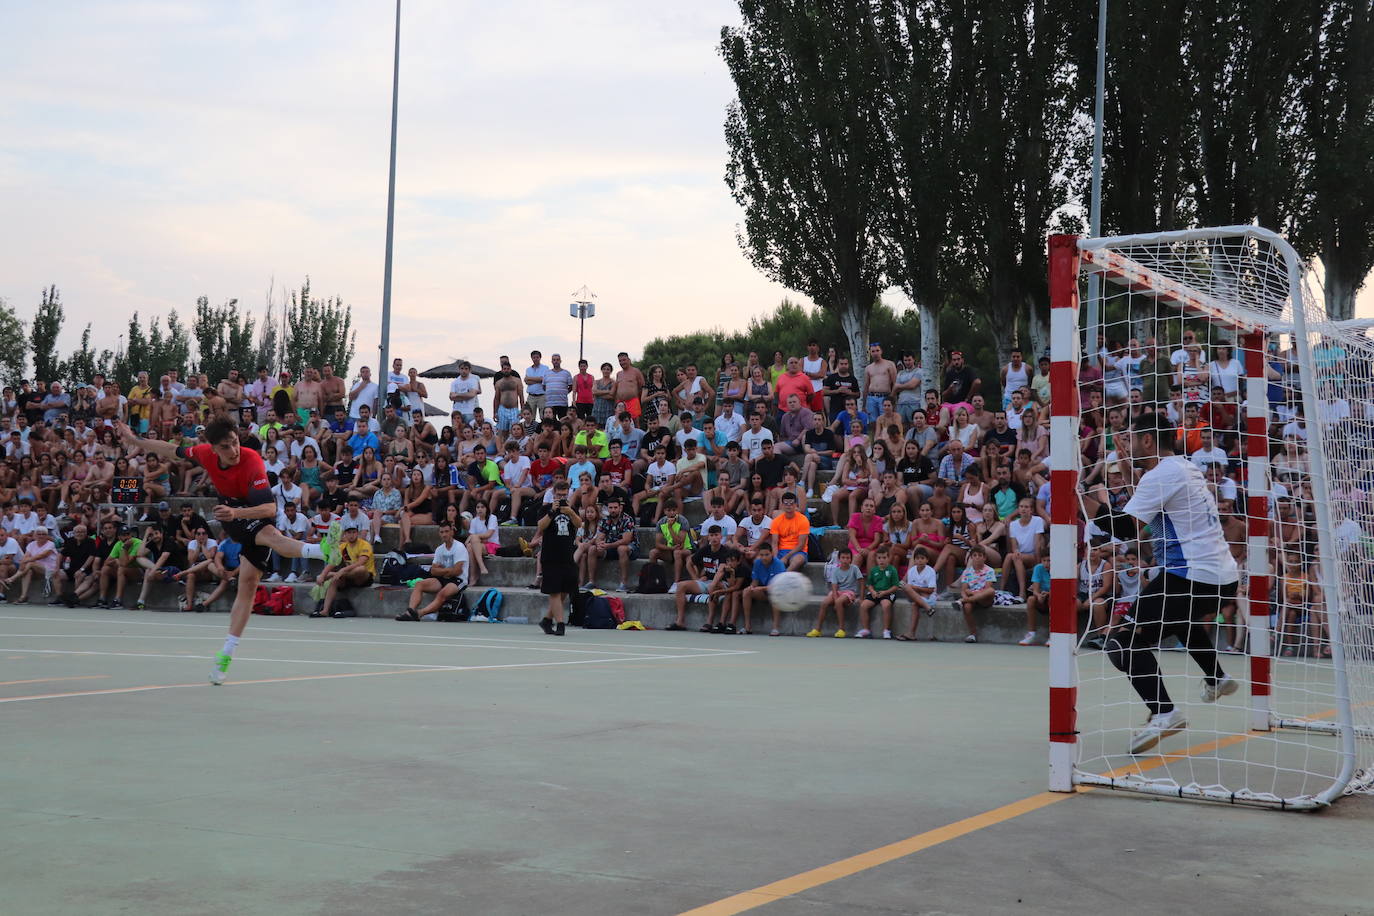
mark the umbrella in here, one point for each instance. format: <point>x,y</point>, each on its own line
<point>450,370</point>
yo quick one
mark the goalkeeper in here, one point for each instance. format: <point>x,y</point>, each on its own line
<point>1198,574</point>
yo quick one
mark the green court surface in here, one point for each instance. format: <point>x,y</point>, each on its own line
<point>365,767</point>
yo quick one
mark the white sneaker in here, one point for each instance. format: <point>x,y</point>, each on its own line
<point>1222,688</point>
<point>887,634</point>
<point>1157,729</point>
<point>864,634</point>
<point>479,618</point>
<point>293,578</point>
<point>1029,639</point>
<point>275,577</point>
<point>970,638</point>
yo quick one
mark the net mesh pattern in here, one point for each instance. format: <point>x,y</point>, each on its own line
<point>1174,315</point>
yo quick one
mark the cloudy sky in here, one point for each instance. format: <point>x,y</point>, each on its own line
<point>152,152</point>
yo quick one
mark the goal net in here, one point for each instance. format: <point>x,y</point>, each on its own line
<point>1268,405</point>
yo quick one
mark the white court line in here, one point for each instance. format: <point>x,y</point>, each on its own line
<point>417,668</point>
<point>294,661</point>
<point>258,637</point>
<point>88,621</point>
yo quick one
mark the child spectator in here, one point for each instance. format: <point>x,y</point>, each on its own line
<point>976,589</point>
<point>844,583</point>
<point>919,589</point>
<point>882,584</point>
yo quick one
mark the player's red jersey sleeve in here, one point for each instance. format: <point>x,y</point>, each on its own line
<point>234,482</point>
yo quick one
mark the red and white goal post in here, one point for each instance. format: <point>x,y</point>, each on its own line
<point>1218,329</point>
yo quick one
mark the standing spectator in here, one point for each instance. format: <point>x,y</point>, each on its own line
<point>333,388</point>
<point>961,383</point>
<point>584,393</point>
<point>880,378</point>
<point>1015,375</point>
<point>558,384</point>
<point>535,393</point>
<point>629,386</point>
<point>363,392</point>
<point>813,365</point>
<point>464,390</point>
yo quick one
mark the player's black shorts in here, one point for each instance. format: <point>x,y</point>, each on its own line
<point>246,533</point>
<point>559,579</point>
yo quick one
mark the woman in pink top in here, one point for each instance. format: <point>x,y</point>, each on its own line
<point>865,532</point>
<point>973,493</point>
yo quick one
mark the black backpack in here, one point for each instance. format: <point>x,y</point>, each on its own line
<point>455,609</point>
<point>598,615</point>
<point>653,579</point>
<point>578,614</point>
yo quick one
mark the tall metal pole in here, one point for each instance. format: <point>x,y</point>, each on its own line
<point>384,361</point>
<point>1095,207</point>
<point>581,330</point>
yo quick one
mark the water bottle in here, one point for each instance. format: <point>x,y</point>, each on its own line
<point>515,620</point>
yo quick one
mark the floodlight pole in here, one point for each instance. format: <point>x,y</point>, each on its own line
<point>384,361</point>
<point>1095,207</point>
<point>582,307</point>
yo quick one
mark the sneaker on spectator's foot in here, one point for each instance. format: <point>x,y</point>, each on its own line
<point>588,586</point>
<point>1157,729</point>
<point>275,577</point>
<point>865,633</point>
<point>775,632</point>
<point>221,669</point>
<point>887,634</point>
<point>970,638</point>
<point>102,603</point>
<point>1222,688</point>
<point>675,626</point>
<point>483,618</point>
<point>141,606</point>
<point>293,578</point>
<point>621,587</point>
<point>510,523</point>
<point>546,624</point>
<point>840,634</point>
<point>728,629</point>
<point>1030,639</point>
<point>813,634</point>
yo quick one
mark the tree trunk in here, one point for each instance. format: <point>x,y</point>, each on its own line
<point>1001,330</point>
<point>854,323</point>
<point>1339,294</point>
<point>930,345</point>
<point>1038,330</point>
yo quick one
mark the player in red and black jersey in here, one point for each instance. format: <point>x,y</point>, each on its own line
<point>247,514</point>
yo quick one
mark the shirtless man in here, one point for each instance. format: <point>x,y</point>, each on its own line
<point>310,394</point>
<point>107,406</point>
<point>508,396</point>
<point>333,387</point>
<point>228,396</point>
<point>99,478</point>
<point>692,387</point>
<point>162,416</point>
<point>880,378</point>
<point>629,382</point>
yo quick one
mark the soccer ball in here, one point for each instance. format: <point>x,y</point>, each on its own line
<point>789,591</point>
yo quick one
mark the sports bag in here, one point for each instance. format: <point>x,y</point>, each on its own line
<point>599,616</point>
<point>653,579</point>
<point>489,604</point>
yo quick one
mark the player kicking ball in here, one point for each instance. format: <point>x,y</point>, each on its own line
<point>1198,575</point>
<point>247,514</point>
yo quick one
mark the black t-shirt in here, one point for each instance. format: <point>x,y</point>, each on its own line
<point>75,552</point>
<point>560,537</point>
<point>1005,438</point>
<point>771,469</point>
<point>708,560</point>
<point>959,381</point>
<point>847,382</point>
<point>29,404</point>
<point>346,471</point>
<point>823,441</point>
<point>915,470</point>
<point>333,501</point>
<point>605,496</point>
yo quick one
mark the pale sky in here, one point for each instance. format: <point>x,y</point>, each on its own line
<point>152,152</point>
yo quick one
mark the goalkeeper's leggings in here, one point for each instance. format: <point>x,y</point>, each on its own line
<point>1169,606</point>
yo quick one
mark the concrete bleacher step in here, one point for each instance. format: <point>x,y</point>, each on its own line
<point>995,625</point>
<point>519,571</point>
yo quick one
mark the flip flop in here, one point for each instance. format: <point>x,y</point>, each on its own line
<point>902,637</point>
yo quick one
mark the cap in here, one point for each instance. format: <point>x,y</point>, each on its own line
<point>163,506</point>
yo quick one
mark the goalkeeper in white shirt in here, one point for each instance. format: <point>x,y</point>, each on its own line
<point>1198,574</point>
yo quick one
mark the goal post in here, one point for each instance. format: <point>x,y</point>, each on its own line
<point>1271,407</point>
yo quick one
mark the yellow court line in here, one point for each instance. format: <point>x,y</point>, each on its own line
<point>796,884</point>
<point>46,680</point>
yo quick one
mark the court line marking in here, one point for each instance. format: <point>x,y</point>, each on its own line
<point>45,680</point>
<point>844,868</point>
<point>257,637</point>
<point>310,677</point>
<point>88,621</point>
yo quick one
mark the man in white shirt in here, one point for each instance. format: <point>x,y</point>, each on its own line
<point>1198,576</point>
<point>558,384</point>
<point>730,422</point>
<point>534,384</point>
<point>448,576</point>
<point>396,378</point>
<point>11,552</point>
<point>752,439</point>
<point>25,522</point>
<point>1208,452</point>
<point>363,391</point>
<point>753,528</point>
<point>293,524</point>
<point>728,527</point>
<point>464,390</point>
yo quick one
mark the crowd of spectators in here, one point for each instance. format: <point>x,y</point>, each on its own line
<point>938,478</point>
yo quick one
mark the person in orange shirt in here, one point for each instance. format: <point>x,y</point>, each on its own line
<point>1190,433</point>
<point>790,530</point>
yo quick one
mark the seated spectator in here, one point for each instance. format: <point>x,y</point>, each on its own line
<point>852,478</point>
<point>976,589</point>
<point>865,533</point>
<point>39,559</point>
<point>919,588</point>
<point>880,591</point>
<point>417,504</point>
<point>483,540</point>
<point>672,540</point>
<point>791,531</point>
<point>446,580</point>
<point>292,523</point>
<point>355,569</point>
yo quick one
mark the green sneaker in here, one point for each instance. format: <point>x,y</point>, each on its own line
<point>221,669</point>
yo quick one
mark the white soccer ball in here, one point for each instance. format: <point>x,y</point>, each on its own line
<point>789,591</point>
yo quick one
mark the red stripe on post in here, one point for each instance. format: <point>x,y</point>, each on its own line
<point>1257,437</point>
<point>1259,675</point>
<point>1064,606</point>
<point>1063,511</point>
<point>1064,377</point>
<point>1256,524</point>
<point>1064,714</point>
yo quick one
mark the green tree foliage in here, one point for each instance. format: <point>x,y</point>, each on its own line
<point>47,324</point>
<point>224,339</point>
<point>84,362</point>
<point>805,146</point>
<point>14,345</point>
<point>318,331</point>
<point>1337,224</point>
<point>154,350</point>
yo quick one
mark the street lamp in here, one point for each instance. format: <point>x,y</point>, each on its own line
<point>582,307</point>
